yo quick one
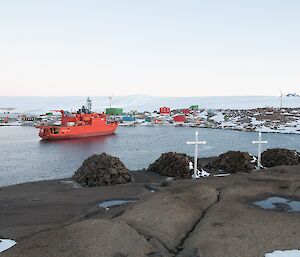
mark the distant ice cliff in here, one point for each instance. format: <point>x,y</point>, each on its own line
<point>142,102</point>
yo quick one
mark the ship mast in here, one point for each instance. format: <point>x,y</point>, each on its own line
<point>89,104</point>
<point>110,100</point>
<point>281,95</point>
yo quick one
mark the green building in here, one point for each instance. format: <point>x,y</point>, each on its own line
<point>114,111</point>
<point>194,107</point>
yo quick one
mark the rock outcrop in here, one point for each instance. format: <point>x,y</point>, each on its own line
<point>278,156</point>
<point>102,169</point>
<point>232,162</point>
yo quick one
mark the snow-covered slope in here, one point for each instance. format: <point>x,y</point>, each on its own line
<point>142,102</point>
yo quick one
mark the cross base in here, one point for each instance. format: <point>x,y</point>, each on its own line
<point>199,173</point>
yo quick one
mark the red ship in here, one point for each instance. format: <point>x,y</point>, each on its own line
<point>78,125</point>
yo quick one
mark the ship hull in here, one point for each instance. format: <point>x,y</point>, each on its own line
<point>79,132</point>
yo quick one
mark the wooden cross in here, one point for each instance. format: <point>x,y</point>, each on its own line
<point>259,142</point>
<point>196,143</point>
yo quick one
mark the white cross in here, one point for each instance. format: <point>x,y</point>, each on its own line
<point>259,142</point>
<point>196,143</point>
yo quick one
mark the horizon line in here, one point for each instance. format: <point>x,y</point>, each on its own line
<point>158,96</point>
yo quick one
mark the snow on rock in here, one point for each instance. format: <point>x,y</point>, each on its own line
<point>254,121</point>
<point>218,118</point>
<point>203,114</point>
<point>228,124</point>
<point>286,253</point>
<point>6,244</point>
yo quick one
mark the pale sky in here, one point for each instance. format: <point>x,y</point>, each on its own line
<point>154,47</point>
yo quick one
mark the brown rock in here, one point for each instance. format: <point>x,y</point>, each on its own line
<point>102,169</point>
<point>233,161</point>
<point>278,156</point>
<point>172,164</point>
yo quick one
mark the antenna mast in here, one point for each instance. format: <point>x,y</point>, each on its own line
<point>110,100</point>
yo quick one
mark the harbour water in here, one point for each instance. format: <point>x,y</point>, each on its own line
<point>24,157</point>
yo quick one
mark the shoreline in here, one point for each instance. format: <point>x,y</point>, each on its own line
<point>136,173</point>
<point>267,119</point>
<point>198,127</point>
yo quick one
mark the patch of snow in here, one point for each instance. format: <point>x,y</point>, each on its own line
<point>203,114</point>
<point>254,160</point>
<point>71,183</point>
<point>204,173</point>
<point>264,129</point>
<point>5,244</point>
<point>218,118</point>
<point>222,175</point>
<point>254,121</point>
<point>286,253</point>
<point>228,124</point>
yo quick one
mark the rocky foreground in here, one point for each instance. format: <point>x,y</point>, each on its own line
<point>211,217</point>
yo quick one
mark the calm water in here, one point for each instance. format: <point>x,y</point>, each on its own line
<point>24,157</point>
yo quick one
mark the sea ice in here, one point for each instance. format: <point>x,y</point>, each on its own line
<point>6,244</point>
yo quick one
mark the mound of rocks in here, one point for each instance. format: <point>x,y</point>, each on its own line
<point>232,162</point>
<point>279,156</point>
<point>172,164</point>
<point>102,169</point>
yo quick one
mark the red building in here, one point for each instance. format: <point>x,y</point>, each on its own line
<point>165,110</point>
<point>179,118</point>
<point>186,111</point>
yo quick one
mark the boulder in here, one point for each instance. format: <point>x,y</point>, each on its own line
<point>278,156</point>
<point>102,169</point>
<point>232,162</point>
<point>88,238</point>
<point>170,215</point>
<point>172,164</point>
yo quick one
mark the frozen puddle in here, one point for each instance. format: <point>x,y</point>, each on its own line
<point>279,204</point>
<point>6,244</point>
<point>111,203</point>
<point>286,253</point>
